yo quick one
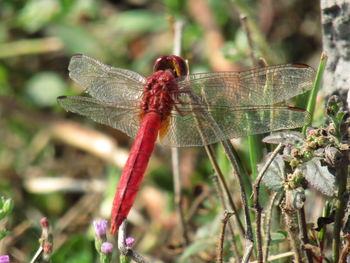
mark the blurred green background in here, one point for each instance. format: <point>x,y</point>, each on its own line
<point>65,167</point>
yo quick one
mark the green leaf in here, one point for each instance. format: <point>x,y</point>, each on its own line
<point>175,7</point>
<point>76,39</point>
<point>8,206</point>
<point>44,88</point>
<point>37,13</point>
<point>319,177</point>
<point>4,87</point>
<point>138,21</point>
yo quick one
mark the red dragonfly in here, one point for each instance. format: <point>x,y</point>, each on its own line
<point>175,106</point>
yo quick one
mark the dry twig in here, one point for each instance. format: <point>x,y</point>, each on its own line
<point>220,251</point>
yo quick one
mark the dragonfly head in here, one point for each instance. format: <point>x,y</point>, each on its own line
<point>174,63</point>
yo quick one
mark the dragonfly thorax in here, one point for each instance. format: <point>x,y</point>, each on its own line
<point>159,93</point>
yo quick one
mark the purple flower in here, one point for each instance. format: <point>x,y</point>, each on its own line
<point>4,259</point>
<point>100,227</point>
<point>129,241</point>
<point>106,248</point>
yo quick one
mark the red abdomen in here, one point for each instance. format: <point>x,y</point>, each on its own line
<point>134,169</point>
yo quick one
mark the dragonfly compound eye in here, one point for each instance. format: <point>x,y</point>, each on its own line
<point>175,63</point>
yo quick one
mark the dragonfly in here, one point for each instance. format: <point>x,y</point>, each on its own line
<point>175,107</point>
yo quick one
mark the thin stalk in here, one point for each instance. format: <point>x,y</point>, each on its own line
<point>255,145</point>
<point>243,19</point>
<point>304,236</point>
<point>327,210</point>
<point>259,37</point>
<point>225,188</point>
<point>234,243</point>
<point>278,256</point>
<point>268,228</point>
<point>220,250</point>
<point>255,153</point>
<point>317,84</point>
<point>37,255</point>
<point>257,206</point>
<point>291,222</point>
<point>178,26</point>
<point>342,200</point>
<point>249,230</point>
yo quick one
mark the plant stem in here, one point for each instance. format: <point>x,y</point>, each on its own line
<point>342,199</point>
<point>257,206</point>
<point>255,145</point>
<point>304,236</point>
<point>178,26</point>
<point>226,190</point>
<point>268,228</point>
<point>291,221</point>
<point>234,243</point>
<point>220,250</point>
<point>249,230</point>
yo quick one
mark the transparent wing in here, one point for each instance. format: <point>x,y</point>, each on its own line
<point>105,83</point>
<point>195,129</point>
<point>124,118</point>
<point>239,102</point>
<point>261,86</point>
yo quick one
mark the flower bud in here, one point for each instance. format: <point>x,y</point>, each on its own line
<point>106,248</point>
<point>100,227</point>
<point>129,241</point>
<point>5,259</point>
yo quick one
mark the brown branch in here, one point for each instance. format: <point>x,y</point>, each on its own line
<point>245,27</point>
<point>225,188</point>
<point>233,241</point>
<point>268,227</point>
<point>258,209</point>
<point>291,222</point>
<point>304,236</point>
<point>220,250</point>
